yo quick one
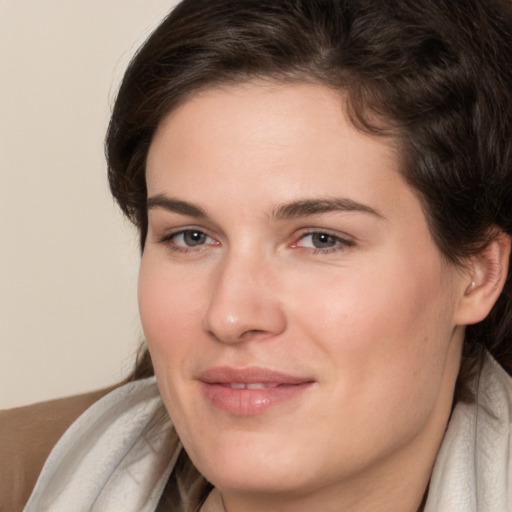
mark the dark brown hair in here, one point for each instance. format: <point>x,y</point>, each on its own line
<point>435,74</point>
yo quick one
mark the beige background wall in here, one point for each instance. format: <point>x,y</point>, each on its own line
<point>68,262</point>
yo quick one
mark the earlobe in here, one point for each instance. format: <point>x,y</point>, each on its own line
<point>485,278</point>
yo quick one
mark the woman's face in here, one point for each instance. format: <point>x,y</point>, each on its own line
<point>301,320</point>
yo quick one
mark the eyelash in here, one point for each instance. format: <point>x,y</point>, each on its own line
<point>341,243</point>
<point>167,240</point>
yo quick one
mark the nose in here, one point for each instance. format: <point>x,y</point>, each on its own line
<point>244,302</point>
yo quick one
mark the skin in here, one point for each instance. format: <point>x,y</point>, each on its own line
<point>372,313</point>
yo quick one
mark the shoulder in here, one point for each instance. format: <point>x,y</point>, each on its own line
<point>27,435</point>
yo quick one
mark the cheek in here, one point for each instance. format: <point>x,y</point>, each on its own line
<point>169,312</point>
<point>169,306</point>
<point>362,310</point>
<point>385,327</point>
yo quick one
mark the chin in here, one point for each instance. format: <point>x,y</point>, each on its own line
<point>263,470</point>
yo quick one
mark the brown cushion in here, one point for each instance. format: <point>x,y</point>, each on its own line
<point>27,435</point>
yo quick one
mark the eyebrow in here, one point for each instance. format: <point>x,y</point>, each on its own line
<point>307,207</point>
<point>175,206</point>
<point>292,210</point>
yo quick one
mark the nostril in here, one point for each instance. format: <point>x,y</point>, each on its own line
<point>254,334</point>
<point>240,336</point>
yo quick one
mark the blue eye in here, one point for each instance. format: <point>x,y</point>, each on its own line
<point>187,240</point>
<point>190,238</point>
<point>321,241</point>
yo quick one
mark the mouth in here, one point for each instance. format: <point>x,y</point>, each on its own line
<point>252,385</point>
<point>250,391</point>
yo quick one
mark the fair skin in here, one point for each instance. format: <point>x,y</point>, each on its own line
<point>281,239</point>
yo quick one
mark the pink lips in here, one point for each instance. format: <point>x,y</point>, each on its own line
<point>250,391</point>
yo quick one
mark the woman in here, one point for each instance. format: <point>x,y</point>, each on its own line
<point>323,192</point>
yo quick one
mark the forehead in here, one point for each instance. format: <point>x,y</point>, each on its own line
<point>269,141</point>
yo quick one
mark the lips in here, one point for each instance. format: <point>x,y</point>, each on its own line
<point>250,391</point>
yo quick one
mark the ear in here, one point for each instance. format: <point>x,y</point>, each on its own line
<point>483,281</point>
